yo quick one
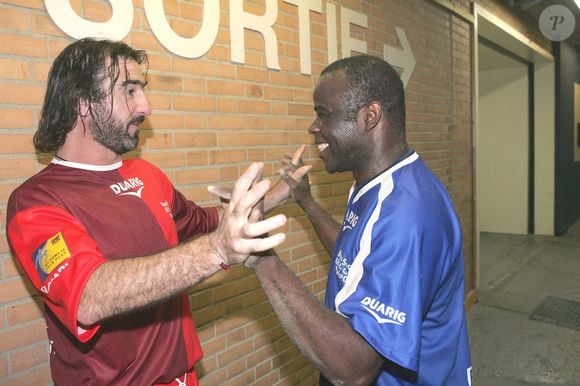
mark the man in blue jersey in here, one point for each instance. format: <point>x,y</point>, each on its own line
<point>394,312</point>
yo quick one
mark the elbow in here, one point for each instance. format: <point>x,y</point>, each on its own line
<point>362,380</point>
<point>359,375</point>
<point>86,317</point>
<point>351,381</point>
<point>354,378</point>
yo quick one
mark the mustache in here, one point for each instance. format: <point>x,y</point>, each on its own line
<point>137,120</point>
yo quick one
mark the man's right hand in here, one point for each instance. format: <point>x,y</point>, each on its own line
<point>295,174</point>
<point>237,235</point>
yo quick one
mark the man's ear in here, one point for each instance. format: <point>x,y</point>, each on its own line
<point>373,112</point>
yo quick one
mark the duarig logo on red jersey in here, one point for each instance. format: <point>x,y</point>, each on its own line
<point>55,275</point>
<point>383,313</point>
<point>129,187</point>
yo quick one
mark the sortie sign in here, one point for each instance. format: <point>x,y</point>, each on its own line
<point>119,25</point>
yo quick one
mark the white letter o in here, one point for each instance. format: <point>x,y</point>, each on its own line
<point>73,25</point>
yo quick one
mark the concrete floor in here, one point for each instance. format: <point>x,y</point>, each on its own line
<point>516,275</point>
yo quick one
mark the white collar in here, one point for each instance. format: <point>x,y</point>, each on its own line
<point>95,168</point>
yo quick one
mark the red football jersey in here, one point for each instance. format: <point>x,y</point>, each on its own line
<point>67,220</point>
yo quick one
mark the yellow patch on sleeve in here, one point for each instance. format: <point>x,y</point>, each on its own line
<point>55,253</point>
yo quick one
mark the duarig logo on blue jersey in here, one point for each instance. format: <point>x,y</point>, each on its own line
<point>350,220</point>
<point>383,313</point>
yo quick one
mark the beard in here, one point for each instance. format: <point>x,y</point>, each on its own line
<point>114,134</point>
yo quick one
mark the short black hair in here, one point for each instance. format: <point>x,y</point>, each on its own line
<point>78,74</point>
<point>373,79</point>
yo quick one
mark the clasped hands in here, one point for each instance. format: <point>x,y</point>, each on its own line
<point>243,232</point>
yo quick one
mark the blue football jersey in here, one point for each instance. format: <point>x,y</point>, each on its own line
<point>397,275</point>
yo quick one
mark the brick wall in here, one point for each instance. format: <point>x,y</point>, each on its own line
<point>211,118</point>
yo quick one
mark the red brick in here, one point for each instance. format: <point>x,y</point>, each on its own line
<point>24,312</point>
<point>13,69</point>
<point>15,289</point>
<point>214,378</point>
<point>14,19</point>
<point>253,107</point>
<point>196,139</point>
<point>258,75</point>
<point>37,376</point>
<point>21,94</point>
<point>42,24</point>
<point>220,122</point>
<point>3,367</point>
<point>4,247</point>
<point>227,105</point>
<point>33,4</point>
<point>225,88</point>
<point>21,336</point>
<point>227,156</point>
<point>17,167</point>
<point>16,118</point>
<point>194,103</point>
<point>24,360</point>
<point>158,82</point>
<point>22,45</point>
<point>196,176</point>
<point>18,143</point>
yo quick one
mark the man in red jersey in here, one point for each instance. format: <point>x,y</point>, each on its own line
<point>109,244</point>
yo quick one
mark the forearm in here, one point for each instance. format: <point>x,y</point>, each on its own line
<point>272,199</point>
<point>323,336</point>
<point>325,226</point>
<point>120,286</point>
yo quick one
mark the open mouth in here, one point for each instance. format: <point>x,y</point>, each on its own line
<point>132,129</point>
<point>134,123</point>
<point>322,146</point>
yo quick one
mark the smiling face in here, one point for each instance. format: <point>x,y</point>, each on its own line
<point>336,129</point>
<point>116,118</point>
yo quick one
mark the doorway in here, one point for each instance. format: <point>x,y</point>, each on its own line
<point>505,157</point>
<point>503,46</point>
<point>509,60</point>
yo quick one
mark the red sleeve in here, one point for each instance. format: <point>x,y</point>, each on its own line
<point>191,219</point>
<point>58,256</point>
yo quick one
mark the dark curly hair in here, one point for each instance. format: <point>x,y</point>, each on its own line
<point>372,79</point>
<point>79,75</point>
